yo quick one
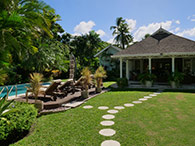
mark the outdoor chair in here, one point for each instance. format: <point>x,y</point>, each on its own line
<point>51,90</point>
<point>66,86</point>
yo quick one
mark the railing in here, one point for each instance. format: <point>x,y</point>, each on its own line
<point>9,90</point>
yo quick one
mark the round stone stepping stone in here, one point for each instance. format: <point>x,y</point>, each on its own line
<point>107,132</point>
<point>137,102</point>
<point>108,117</point>
<point>156,93</point>
<point>112,111</point>
<point>147,97</point>
<point>110,143</point>
<point>128,104</point>
<point>87,107</point>
<point>107,123</point>
<point>119,107</point>
<point>152,95</point>
<point>103,107</point>
<point>143,99</point>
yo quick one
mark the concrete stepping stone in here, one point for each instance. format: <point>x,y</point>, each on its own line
<point>108,117</point>
<point>112,111</point>
<point>119,107</point>
<point>128,104</point>
<point>156,93</point>
<point>143,99</point>
<point>136,102</point>
<point>107,123</point>
<point>152,95</point>
<point>110,143</point>
<point>147,97</point>
<point>107,132</point>
<point>103,107</point>
<point>87,106</point>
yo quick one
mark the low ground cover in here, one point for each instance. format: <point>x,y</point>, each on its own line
<point>167,119</point>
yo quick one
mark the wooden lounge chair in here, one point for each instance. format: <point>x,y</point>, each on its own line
<point>51,90</point>
<point>66,86</point>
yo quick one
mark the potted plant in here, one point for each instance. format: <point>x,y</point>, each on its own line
<point>175,78</point>
<point>147,79</point>
<point>99,75</point>
<point>86,75</point>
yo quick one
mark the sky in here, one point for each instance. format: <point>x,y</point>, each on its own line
<point>142,16</point>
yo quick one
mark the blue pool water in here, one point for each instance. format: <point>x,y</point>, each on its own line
<point>20,89</point>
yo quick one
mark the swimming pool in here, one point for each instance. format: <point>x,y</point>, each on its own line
<point>20,89</point>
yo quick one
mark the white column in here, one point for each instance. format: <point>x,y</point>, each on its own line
<point>173,64</point>
<point>150,64</point>
<point>121,67</point>
<point>141,65</point>
<point>127,69</point>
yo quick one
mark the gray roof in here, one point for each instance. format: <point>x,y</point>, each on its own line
<point>161,42</point>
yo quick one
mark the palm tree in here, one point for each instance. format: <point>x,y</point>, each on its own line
<point>121,30</point>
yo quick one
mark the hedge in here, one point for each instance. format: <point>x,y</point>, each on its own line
<point>20,122</point>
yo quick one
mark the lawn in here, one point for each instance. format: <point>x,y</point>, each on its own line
<point>165,120</point>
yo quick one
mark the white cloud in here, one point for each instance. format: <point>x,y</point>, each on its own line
<point>84,27</point>
<point>100,32</point>
<point>177,29</point>
<point>193,20</point>
<point>187,32</point>
<point>177,22</point>
<point>131,23</point>
<point>151,28</point>
<point>111,41</point>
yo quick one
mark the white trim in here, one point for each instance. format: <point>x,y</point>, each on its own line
<point>154,54</point>
<point>173,64</point>
<point>110,46</point>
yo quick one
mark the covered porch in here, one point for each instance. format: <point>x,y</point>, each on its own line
<point>162,67</point>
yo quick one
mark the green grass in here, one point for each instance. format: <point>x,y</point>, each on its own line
<point>165,120</point>
<point>108,83</point>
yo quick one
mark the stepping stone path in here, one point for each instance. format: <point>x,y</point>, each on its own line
<point>136,102</point>
<point>152,95</point>
<point>88,107</point>
<point>107,132</point>
<point>107,123</point>
<point>143,99</point>
<point>110,143</point>
<point>103,107</point>
<point>108,117</point>
<point>147,97</point>
<point>112,111</point>
<point>128,104</point>
<point>119,107</point>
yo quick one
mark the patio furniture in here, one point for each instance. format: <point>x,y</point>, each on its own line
<point>67,86</point>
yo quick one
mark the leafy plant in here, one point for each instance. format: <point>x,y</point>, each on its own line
<point>3,76</point>
<point>146,77</point>
<point>122,82</point>
<point>177,77</point>
<point>99,75</point>
<point>86,75</point>
<point>35,84</point>
<point>4,108</point>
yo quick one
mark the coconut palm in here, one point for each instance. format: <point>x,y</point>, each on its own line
<point>121,30</point>
<point>99,75</point>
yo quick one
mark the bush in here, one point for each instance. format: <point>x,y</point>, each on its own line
<point>20,123</point>
<point>122,82</point>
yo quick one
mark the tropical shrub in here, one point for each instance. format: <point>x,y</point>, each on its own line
<point>122,82</point>
<point>86,75</point>
<point>99,75</point>
<point>35,84</point>
<point>20,122</point>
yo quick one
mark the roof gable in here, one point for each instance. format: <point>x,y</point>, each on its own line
<point>110,46</point>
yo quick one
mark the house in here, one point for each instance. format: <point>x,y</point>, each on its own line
<point>161,53</point>
<point>105,57</point>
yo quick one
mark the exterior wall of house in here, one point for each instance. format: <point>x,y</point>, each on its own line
<point>106,60</point>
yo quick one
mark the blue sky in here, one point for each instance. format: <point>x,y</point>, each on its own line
<point>143,16</point>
